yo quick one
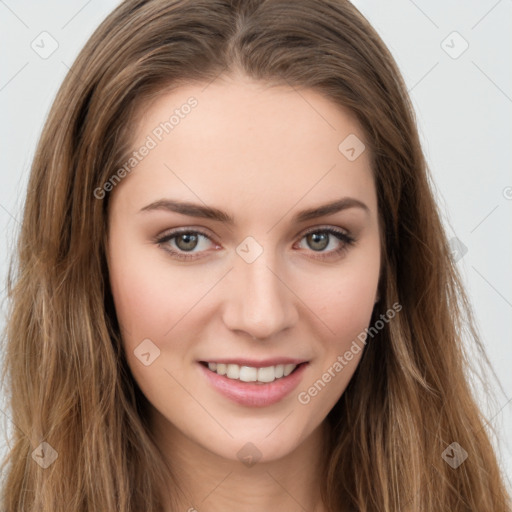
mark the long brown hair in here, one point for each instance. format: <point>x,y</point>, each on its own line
<point>68,381</point>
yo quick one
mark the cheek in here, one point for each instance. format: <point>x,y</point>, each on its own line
<point>344,298</point>
<point>148,297</point>
<point>139,303</point>
<point>349,311</point>
<point>344,303</point>
<point>151,304</point>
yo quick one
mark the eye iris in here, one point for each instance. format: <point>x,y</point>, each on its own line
<point>190,241</point>
<point>323,238</point>
<point>317,241</point>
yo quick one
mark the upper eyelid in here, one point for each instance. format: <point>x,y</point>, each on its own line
<point>175,232</point>
<point>203,231</point>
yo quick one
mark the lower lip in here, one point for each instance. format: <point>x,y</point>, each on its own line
<point>251,394</point>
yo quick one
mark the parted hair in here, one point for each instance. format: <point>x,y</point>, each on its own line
<point>65,373</point>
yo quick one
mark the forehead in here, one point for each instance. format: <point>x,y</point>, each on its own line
<point>239,138</point>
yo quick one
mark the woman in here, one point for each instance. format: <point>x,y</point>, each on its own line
<point>233,287</point>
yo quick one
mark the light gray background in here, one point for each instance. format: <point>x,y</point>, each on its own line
<point>463,107</point>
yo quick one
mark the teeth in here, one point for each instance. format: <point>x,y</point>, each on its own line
<point>251,374</point>
<point>267,374</point>
<point>248,374</point>
<point>288,368</point>
<point>233,371</point>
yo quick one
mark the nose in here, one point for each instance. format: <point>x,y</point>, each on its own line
<point>259,302</point>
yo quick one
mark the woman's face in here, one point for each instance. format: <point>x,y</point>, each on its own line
<point>238,181</point>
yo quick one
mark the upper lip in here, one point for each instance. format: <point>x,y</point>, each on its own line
<point>262,363</point>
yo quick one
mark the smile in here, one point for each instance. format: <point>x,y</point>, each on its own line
<point>251,373</point>
<point>253,386</point>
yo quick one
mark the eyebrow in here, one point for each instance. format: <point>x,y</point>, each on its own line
<point>208,212</point>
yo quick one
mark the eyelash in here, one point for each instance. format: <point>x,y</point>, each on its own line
<point>347,242</point>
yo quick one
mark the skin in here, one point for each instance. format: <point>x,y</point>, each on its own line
<point>262,154</point>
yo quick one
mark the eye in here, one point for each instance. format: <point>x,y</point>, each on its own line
<point>320,239</point>
<point>182,243</point>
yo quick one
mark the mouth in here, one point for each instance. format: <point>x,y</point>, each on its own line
<point>257,374</point>
<point>257,384</point>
